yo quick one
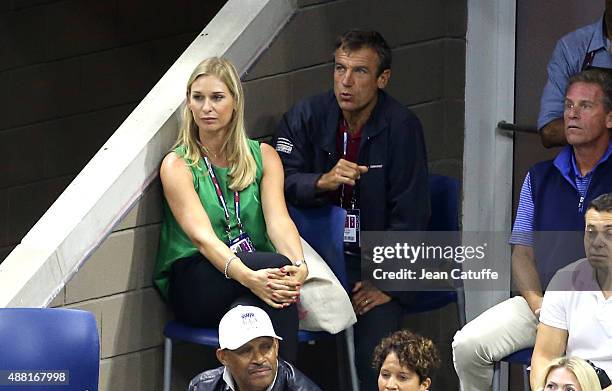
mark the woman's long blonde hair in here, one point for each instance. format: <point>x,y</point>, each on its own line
<point>584,373</point>
<point>242,166</point>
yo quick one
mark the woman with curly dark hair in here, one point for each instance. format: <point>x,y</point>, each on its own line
<point>405,362</point>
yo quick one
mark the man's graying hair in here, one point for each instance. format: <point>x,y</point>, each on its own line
<point>602,78</point>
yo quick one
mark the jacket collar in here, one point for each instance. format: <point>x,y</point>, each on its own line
<point>599,40</point>
<point>229,380</point>
<point>374,125</point>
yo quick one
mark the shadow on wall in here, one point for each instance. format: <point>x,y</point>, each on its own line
<point>86,84</point>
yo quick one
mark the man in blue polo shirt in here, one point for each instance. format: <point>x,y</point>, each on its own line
<point>587,47</point>
<point>547,232</point>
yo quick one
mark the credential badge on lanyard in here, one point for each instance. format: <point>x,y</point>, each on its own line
<point>241,243</point>
<point>352,237</point>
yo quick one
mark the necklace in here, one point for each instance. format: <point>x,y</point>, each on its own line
<point>209,152</point>
<point>214,154</point>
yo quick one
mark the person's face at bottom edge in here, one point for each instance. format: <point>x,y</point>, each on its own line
<point>253,365</point>
<point>561,379</point>
<point>394,376</point>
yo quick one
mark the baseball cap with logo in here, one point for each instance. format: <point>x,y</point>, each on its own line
<point>243,323</point>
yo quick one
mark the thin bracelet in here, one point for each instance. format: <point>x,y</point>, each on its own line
<point>299,262</point>
<point>227,263</point>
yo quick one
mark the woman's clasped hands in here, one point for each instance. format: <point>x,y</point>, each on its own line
<point>278,287</point>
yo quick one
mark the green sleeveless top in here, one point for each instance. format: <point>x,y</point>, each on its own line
<point>174,244</point>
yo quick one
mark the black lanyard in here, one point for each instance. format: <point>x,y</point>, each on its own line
<point>217,187</point>
<point>587,63</point>
<point>354,194</point>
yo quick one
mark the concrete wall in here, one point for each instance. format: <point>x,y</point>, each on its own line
<point>70,72</point>
<point>428,71</point>
<point>428,41</point>
<point>115,284</point>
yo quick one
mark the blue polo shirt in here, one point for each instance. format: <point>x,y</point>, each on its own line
<point>565,162</point>
<point>567,60</point>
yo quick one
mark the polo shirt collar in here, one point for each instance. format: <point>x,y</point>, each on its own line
<point>227,378</point>
<point>377,121</point>
<point>566,162</point>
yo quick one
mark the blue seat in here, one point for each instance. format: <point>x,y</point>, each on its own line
<point>444,199</point>
<point>522,357</point>
<point>444,194</point>
<point>36,340</point>
<point>323,229</point>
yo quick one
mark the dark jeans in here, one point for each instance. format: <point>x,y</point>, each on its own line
<point>200,295</point>
<point>370,328</point>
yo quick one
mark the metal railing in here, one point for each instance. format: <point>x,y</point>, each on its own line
<point>503,125</point>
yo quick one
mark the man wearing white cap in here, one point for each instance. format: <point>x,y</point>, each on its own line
<point>248,350</point>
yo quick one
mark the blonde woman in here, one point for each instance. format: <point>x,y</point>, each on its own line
<point>569,374</point>
<point>226,238</point>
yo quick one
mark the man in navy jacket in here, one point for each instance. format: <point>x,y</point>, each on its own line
<point>248,350</point>
<point>359,148</point>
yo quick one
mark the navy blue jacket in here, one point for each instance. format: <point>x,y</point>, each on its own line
<point>393,194</point>
<point>558,208</point>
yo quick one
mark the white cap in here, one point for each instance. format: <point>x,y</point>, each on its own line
<point>242,324</point>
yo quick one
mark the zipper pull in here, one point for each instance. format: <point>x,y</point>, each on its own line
<point>580,203</point>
